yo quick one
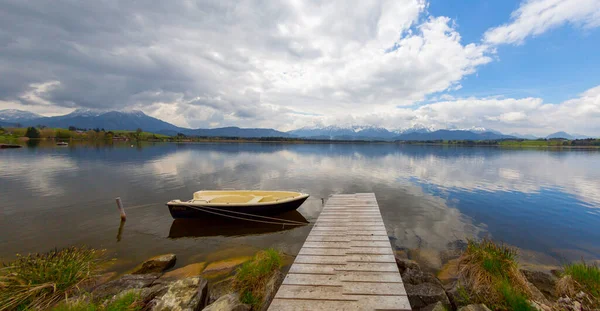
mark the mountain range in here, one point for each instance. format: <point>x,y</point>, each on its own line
<point>132,120</point>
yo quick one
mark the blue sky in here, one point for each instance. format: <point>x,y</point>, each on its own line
<point>555,66</point>
<point>528,66</point>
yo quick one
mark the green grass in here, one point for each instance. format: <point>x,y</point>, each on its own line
<point>491,275</point>
<point>128,301</point>
<point>514,299</point>
<point>37,281</point>
<point>587,275</point>
<point>253,275</point>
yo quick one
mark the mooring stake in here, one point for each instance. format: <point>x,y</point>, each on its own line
<point>121,209</point>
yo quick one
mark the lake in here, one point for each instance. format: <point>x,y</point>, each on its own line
<point>432,198</point>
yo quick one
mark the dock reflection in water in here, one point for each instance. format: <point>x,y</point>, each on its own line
<point>221,226</point>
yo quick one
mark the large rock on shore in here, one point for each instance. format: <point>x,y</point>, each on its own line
<point>438,306</point>
<point>546,283</point>
<point>479,307</point>
<point>229,302</point>
<point>189,294</point>
<point>126,282</point>
<point>425,294</point>
<point>156,264</point>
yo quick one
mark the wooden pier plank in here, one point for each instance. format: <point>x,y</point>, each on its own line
<point>346,262</point>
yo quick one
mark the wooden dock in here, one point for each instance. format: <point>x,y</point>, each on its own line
<point>346,263</point>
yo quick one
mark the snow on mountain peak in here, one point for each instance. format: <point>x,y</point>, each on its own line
<point>17,115</point>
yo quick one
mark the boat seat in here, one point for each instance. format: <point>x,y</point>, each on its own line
<point>206,199</point>
<point>256,199</point>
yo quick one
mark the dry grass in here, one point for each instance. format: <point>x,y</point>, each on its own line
<point>580,277</point>
<point>38,281</point>
<point>253,275</point>
<point>491,273</point>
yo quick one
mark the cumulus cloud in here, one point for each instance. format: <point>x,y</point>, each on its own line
<point>525,115</point>
<point>279,64</point>
<point>535,17</point>
<point>215,63</point>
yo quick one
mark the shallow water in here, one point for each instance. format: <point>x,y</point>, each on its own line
<point>432,197</point>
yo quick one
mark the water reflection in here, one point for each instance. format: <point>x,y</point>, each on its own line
<point>221,226</point>
<point>430,197</point>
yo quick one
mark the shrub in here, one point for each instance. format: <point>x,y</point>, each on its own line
<point>253,275</point>
<point>128,301</point>
<point>38,281</point>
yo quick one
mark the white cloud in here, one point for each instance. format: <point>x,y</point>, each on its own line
<point>535,17</point>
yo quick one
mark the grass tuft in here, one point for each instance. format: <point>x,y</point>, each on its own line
<point>253,275</point>
<point>38,281</point>
<point>491,274</point>
<point>129,301</point>
<point>580,277</point>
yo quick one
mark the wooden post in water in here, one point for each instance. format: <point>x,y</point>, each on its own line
<point>121,209</point>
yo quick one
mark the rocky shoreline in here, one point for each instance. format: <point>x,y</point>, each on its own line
<point>201,286</point>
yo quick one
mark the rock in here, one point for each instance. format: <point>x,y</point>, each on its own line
<point>449,272</point>
<point>96,281</point>
<point>536,295</point>
<point>229,302</point>
<point>271,289</point>
<point>428,258</point>
<point>128,281</point>
<point>189,294</point>
<point>404,264</point>
<point>190,270</point>
<point>220,288</point>
<point>479,307</point>
<point>438,306</point>
<point>425,294</point>
<point>544,282</point>
<point>224,266</point>
<point>540,306</point>
<point>416,277</point>
<point>458,298</point>
<point>156,264</point>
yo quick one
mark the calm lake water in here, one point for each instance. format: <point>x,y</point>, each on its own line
<point>545,202</point>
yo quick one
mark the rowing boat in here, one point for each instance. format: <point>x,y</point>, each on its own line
<point>237,202</point>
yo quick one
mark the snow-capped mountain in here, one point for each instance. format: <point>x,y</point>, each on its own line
<point>17,116</point>
<point>415,128</point>
<point>344,132</point>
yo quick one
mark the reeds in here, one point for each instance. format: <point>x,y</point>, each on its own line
<point>38,281</point>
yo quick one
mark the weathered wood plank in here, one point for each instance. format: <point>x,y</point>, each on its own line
<point>346,262</point>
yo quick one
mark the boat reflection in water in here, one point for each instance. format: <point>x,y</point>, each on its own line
<point>221,226</point>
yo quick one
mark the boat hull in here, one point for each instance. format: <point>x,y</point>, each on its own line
<point>184,209</point>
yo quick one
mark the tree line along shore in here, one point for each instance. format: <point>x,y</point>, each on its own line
<point>13,135</point>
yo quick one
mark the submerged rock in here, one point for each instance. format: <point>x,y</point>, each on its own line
<point>190,270</point>
<point>223,266</point>
<point>156,264</point>
<point>189,294</point>
<point>449,272</point>
<point>479,307</point>
<point>229,302</point>
<point>404,264</point>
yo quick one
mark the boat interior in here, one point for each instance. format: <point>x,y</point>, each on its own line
<point>243,197</point>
